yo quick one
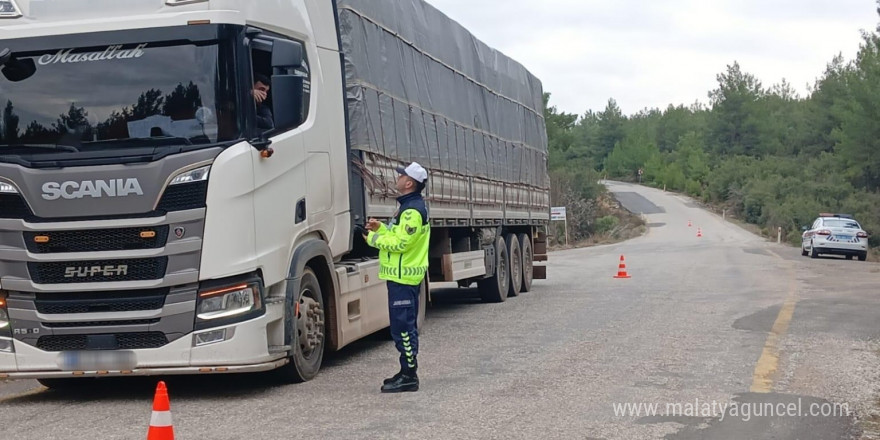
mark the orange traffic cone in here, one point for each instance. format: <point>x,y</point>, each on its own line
<point>621,271</point>
<point>699,232</point>
<point>161,426</point>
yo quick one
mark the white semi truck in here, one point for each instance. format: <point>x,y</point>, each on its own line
<point>149,225</point>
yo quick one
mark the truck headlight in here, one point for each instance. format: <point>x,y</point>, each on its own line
<point>9,9</point>
<point>8,188</point>
<point>182,2</point>
<point>192,176</point>
<point>5,327</point>
<point>228,302</point>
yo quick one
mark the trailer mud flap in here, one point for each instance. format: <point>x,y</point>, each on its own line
<point>539,272</point>
<point>540,254</point>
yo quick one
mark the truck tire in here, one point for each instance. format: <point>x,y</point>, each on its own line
<point>863,257</point>
<point>309,332</point>
<point>514,253</point>
<point>528,256</point>
<point>423,305</point>
<point>495,288</point>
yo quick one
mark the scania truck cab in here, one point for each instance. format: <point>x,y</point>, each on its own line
<point>144,227</point>
<point>149,226</point>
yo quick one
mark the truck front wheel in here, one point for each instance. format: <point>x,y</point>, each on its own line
<point>308,331</point>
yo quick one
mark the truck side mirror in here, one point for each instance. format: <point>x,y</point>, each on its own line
<point>16,70</point>
<point>287,86</point>
<point>286,54</point>
<point>287,100</point>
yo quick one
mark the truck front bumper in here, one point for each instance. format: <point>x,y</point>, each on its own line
<point>246,350</point>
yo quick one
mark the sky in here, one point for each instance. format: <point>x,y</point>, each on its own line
<point>650,54</point>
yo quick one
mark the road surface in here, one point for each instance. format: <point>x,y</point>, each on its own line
<point>709,330</point>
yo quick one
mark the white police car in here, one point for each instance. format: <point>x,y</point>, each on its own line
<point>836,234</point>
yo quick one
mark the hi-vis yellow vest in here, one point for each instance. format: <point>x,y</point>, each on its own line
<point>403,248</point>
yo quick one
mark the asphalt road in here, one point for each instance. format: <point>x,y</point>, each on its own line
<point>723,333</point>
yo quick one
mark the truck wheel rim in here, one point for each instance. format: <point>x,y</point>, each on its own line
<point>310,324</point>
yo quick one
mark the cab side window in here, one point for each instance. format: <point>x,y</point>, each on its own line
<point>262,74</point>
<point>261,63</point>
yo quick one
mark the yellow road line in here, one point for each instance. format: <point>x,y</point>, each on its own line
<point>768,363</point>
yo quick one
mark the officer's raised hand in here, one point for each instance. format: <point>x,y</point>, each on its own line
<point>373,224</point>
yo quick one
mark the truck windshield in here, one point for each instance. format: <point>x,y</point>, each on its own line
<point>69,100</point>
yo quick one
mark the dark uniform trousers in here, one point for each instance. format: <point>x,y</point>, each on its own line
<point>403,310</point>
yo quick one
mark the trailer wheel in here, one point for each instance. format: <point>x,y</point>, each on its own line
<point>528,256</point>
<point>514,253</point>
<point>495,288</point>
<point>423,305</point>
<point>308,331</point>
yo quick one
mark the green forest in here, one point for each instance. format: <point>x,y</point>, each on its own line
<point>765,154</point>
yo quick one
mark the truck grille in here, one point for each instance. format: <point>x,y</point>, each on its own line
<point>13,206</point>
<point>175,198</point>
<point>184,196</point>
<point>95,302</point>
<point>97,271</point>
<point>124,341</point>
<point>100,323</point>
<point>97,240</point>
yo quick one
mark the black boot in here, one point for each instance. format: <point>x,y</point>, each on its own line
<point>406,381</point>
<point>393,378</point>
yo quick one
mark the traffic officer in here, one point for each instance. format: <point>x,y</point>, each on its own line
<point>403,263</point>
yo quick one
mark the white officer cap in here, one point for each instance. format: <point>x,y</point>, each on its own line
<point>415,171</point>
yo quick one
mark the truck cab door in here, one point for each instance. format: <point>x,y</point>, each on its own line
<point>280,162</point>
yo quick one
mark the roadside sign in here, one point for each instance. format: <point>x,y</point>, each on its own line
<point>557,213</point>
